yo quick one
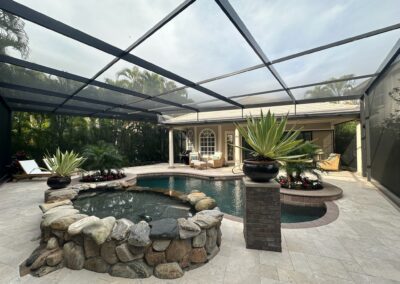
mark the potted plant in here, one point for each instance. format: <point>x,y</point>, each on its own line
<point>62,165</point>
<point>270,144</point>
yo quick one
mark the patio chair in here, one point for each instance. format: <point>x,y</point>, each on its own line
<point>31,170</point>
<point>330,164</point>
<point>193,156</point>
<point>216,161</point>
<point>46,162</point>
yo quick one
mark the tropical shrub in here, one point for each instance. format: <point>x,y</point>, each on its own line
<point>64,164</point>
<point>102,157</point>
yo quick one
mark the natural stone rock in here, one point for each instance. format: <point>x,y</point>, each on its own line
<point>177,250</point>
<point>108,253</point>
<point>164,229</point>
<point>185,261</point>
<point>187,228</point>
<point>52,243</point>
<point>96,264</point>
<point>121,229</point>
<point>198,255</point>
<point>161,245</point>
<point>55,258</point>
<point>176,211</point>
<point>47,206</point>
<point>91,248</point>
<point>123,270</point>
<point>51,217</point>
<point>200,240</point>
<point>154,257</point>
<point>124,254</point>
<point>139,234</point>
<point>41,259</point>
<point>216,213</point>
<point>55,209</point>
<point>100,230</point>
<point>73,256</point>
<point>58,234</point>
<point>63,223</point>
<point>213,253</point>
<point>205,221</point>
<point>46,270</point>
<point>141,268</point>
<point>24,269</point>
<point>196,197</point>
<point>136,250</point>
<point>168,271</point>
<point>211,241</point>
<point>34,255</point>
<point>219,236</point>
<point>78,239</point>
<point>205,204</point>
<point>61,194</point>
<point>76,227</point>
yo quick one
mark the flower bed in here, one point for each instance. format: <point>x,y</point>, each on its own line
<point>164,248</point>
<point>302,183</point>
<point>96,177</point>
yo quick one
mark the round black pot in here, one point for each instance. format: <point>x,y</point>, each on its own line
<point>57,182</point>
<point>260,171</point>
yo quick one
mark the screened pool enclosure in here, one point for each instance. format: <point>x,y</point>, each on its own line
<point>151,60</point>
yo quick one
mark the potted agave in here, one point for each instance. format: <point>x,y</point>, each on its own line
<point>270,145</point>
<point>62,166</point>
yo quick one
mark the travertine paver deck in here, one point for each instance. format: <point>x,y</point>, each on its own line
<point>361,246</point>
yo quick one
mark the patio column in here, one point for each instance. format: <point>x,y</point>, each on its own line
<point>359,149</point>
<point>171,147</point>
<point>237,150</point>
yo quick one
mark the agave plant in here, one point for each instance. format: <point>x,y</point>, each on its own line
<point>269,140</point>
<point>64,164</point>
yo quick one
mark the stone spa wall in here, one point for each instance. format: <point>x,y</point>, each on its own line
<point>164,248</point>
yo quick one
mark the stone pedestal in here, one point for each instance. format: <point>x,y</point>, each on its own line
<point>262,215</point>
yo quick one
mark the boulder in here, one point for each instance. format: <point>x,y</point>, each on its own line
<point>100,230</point>
<point>96,264</point>
<point>123,270</point>
<point>161,245</point>
<point>185,261</point>
<point>139,234</point>
<point>47,206</point>
<point>195,197</point>
<point>35,254</point>
<point>91,248</point>
<point>121,229</point>
<point>204,221</point>
<point>219,236</point>
<point>41,259</point>
<point>168,271</point>
<point>76,227</point>
<point>51,217</point>
<point>52,243</point>
<point>137,250</point>
<point>108,253</point>
<point>187,228</point>
<point>216,213</point>
<point>205,204</point>
<point>213,253</point>
<point>55,258</point>
<point>63,223</point>
<point>154,257</point>
<point>74,256</point>
<point>200,240</point>
<point>46,270</point>
<point>198,255</point>
<point>124,254</point>
<point>211,241</point>
<point>60,195</point>
<point>55,209</point>
<point>141,268</point>
<point>164,229</point>
<point>177,250</point>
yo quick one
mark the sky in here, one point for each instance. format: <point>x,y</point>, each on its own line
<point>201,42</point>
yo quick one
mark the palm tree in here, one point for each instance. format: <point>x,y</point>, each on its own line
<point>12,34</point>
<point>336,89</point>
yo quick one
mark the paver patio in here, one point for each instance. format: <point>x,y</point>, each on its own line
<point>361,246</point>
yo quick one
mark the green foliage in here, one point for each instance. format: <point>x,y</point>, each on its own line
<point>309,151</point>
<point>12,34</point>
<point>102,156</point>
<point>64,164</point>
<point>266,136</point>
<point>344,134</point>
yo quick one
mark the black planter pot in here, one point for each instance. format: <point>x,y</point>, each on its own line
<point>57,182</point>
<point>260,171</point>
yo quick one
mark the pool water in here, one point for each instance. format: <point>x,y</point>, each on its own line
<point>132,205</point>
<point>229,196</point>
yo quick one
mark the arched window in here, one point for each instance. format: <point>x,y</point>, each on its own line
<point>207,142</point>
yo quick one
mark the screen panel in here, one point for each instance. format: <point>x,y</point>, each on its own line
<point>274,97</point>
<point>21,95</point>
<point>285,27</point>
<point>130,18</point>
<point>198,44</point>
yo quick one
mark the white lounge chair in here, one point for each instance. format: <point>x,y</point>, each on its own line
<point>31,170</point>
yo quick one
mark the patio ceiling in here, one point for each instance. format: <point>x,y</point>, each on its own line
<point>208,55</point>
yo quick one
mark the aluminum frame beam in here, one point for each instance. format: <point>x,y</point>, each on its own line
<point>241,27</point>
<point>66,30</point>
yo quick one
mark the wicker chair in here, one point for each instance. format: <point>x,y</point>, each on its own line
<point>330,164</point>
<point>216,161</point>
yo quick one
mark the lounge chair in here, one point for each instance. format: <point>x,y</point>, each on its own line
<point>216,161</point>
<point>330,164</point>
<point>193,157</point>
<point>31,170</point>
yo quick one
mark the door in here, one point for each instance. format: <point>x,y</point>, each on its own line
<point>229,148</point>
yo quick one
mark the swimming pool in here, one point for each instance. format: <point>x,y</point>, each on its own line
<point>229,196</point>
